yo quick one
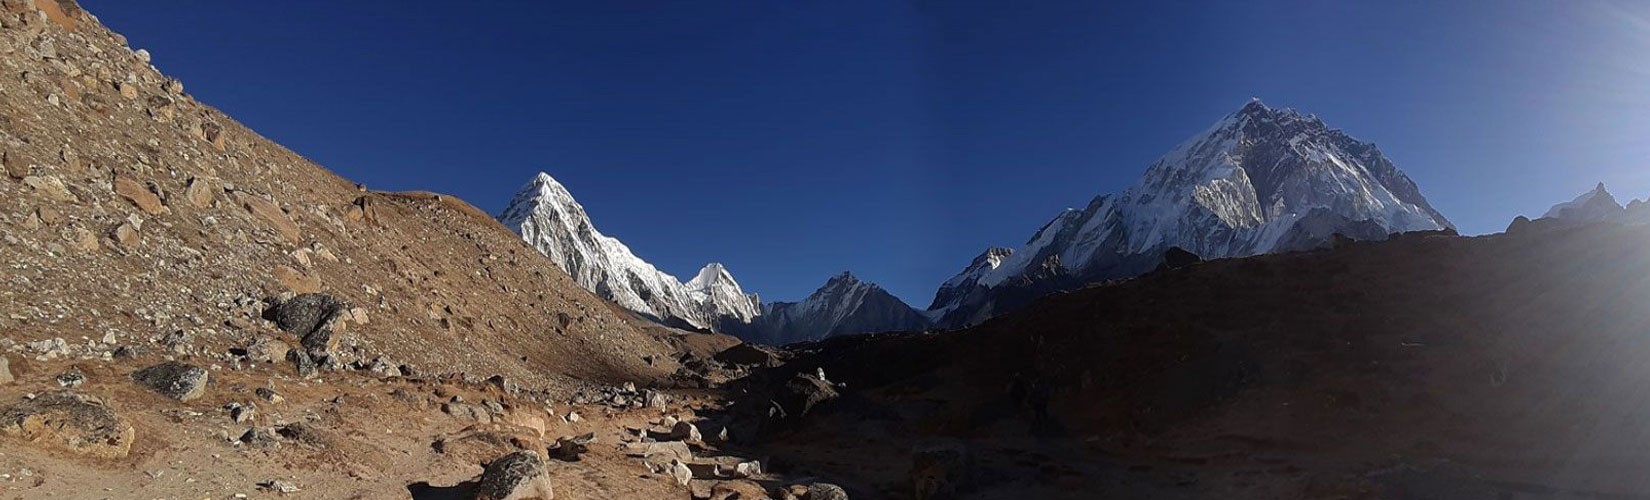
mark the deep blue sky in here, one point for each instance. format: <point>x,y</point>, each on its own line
<point>793,140</point>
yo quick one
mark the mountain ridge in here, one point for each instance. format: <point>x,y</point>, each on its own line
<point>1259,180</point>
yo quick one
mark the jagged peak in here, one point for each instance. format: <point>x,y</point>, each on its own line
<point>992,254</point>
<point>1594,204</point>
<point>711,274</point>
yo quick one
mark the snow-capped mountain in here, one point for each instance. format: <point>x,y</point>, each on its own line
<point>1599,205</point>
<point>545,214</point>
<point>1260,180</point>
<point>844,305</point>
<point>1591,206</point>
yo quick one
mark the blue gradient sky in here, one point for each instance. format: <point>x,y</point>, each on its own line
<point>793,140</point>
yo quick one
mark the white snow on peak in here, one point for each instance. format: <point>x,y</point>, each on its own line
<point>1593,205</point>
<point>547,217</point>
<point>1248,184</point>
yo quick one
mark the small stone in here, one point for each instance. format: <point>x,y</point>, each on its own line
<point>269,395</point>
<point>72,378</point>
<point>5,371</point>
<point>128,90</point>
<point>201,191</point>
<point>242,413</point>
<point>686,431</point>
<point>174,380</point>
<point>51,187</point>
<point>143,55</point>
<point>172,86</point>
<point>258,438</point>
<point>84,240</point>
<point>278,486</point>
<point>518,476</point>
<point>301,362</point>
<point>569,448</point>
<point>139,195</point>
<point>573,416</point>
<point>126,234</point>
<point>267,349</point>
<point>680,472</point>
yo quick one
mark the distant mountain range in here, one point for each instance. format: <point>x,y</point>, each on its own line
<point>1260,180</point>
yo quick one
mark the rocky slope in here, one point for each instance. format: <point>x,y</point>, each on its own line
<point>1260,180</point>
<point>547,217</point>
<point>189,310</point>
<point>1424,366</point>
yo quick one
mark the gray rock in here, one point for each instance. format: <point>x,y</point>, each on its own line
<point>258,438</point>
<point>174,380</point>
<point>685,431</point>
<point>517,476</point>
<point>802,393</point>
<point>72,378</point>
<point>301,362</point>
<point>269,395</point>
<point>826,491</point>
<point>242,413</point>
<point>569,448</point>
<point>681,472</point>
<point>307,314</point>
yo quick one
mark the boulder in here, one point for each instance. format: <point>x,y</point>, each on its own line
<point>940,471</point>
<point>747,354</point>
<point>201,191</point>
<point>518,476</point>
<point>172,379</point>
<point>66,420</point>
<point>306,313</point>
<point>802,393</point>
<point>139,194</point>
<point>685,431</point>
<point>5,371</point>
<point>826,491</point>
<point>302,363</point>
<point>569,448</point>
<point>267,349</point>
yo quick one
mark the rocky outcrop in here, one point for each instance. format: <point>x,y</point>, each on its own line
<point>77,423</point>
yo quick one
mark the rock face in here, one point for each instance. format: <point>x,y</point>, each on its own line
<point>74,422</point>
<point>844,305</point>
<point>545,214</point>
<point>1260,180</point>
<point>517,476</point>
<point>174,380</point>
